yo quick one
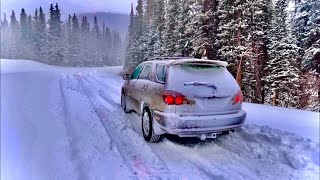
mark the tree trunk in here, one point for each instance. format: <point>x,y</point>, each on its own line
<point>259,64</point>
<point>275,97</point>
<point>239,73</point>
<point>303,87</point>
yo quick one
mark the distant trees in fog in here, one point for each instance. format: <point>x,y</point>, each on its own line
<point>70,43</point>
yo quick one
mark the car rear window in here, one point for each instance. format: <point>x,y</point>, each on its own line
<point>161,73</point>
<point>180,75</point>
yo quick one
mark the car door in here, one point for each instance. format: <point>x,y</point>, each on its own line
<point>141,85</point>
<point>156,87</point>
<point>130,89</point>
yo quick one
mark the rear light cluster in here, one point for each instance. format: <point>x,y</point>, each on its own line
<point>174,98</point>
<point>237,98</point>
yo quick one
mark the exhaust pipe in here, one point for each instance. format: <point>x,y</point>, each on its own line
<point>214,135</point>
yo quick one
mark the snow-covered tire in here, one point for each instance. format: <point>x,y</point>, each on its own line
<point>147,127</point>
<point>124,103</point>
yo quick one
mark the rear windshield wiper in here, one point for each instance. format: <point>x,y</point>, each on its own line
<point>196,83</point>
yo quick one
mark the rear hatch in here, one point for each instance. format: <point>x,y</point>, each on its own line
<point>210,88</point>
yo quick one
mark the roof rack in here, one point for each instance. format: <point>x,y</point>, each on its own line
<point>170,58</point>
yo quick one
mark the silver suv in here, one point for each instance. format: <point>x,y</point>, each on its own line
<point>183,96</point>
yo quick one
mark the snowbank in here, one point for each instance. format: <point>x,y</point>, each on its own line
<point>303,123</point>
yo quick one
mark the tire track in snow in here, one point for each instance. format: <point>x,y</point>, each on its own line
<point>112,92</point>
<point>96,154</point>
<point>72,141</point>
<point>200,158</point>
<point>138,155</point>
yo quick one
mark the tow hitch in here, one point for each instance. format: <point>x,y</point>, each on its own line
<point>209,136</point>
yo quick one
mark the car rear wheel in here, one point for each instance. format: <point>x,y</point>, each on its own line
<point>147,127</point>
<point>124,103</point>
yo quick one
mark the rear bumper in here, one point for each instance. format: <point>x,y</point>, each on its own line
<point>171,123</point>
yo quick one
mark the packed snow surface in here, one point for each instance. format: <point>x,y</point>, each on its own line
<point>66,123</point>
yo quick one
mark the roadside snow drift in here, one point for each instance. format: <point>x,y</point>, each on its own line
<point>66,123</point>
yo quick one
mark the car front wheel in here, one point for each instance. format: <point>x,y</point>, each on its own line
<point>147,127</point>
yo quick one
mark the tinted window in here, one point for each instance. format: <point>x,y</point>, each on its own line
<point>145,72</point>
<point>161,72</point>
<point>136,72</point>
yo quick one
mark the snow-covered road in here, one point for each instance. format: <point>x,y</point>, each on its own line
<point>66,123</point>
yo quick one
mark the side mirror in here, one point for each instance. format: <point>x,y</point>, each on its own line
<point>126,76</point>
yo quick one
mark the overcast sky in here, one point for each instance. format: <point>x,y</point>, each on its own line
<point>67,6</point>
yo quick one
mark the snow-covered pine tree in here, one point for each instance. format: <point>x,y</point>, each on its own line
<point>36,19</point>
<point>233,33</point>
<point>130,43</point>
<point>192,18</point>
<point>24,45</point>
<point>253,67</point>
<point>182,21</point>
<point>36,36</point>
<point>208,25</point>
<point>85,33</point>
<point>75,41</point>
<point>56,50</point>
<point>108,46</point>
<point>282,80</point>
<point>104,49</point>
<point>306,28</point>
<point>68,39</point>
<point>137,39</point>
<point>152,26</point>
<point>4,23</point>
<point>116,49</point>
<point>30,36</point>
<point>141,34</point>
<point>169,37</point>
<point>312,41</point>
<point>42,20</point>
<point>5,37</point>
<point>95,29</point>
<point>95,43</point>
<point>23,24</point>
<point>103,29</point>
<point>158,23</point>
<point>84,24</point>
<point>42,44</point>
<point>233,42</point>
<point>13,36</point>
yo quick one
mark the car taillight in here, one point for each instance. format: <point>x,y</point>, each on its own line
<point>237,98</point>
<point>174,98</point>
